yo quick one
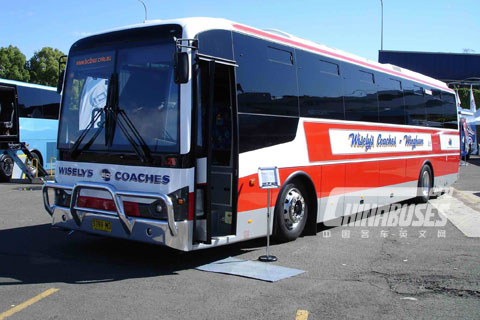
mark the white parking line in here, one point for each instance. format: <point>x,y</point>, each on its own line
<point>466,219</point>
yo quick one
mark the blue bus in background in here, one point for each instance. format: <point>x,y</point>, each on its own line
<point>38,109</point>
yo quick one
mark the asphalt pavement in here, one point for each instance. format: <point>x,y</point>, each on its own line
<point>351,272</point>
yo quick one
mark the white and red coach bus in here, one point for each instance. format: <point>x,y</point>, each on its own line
<point>164,125</point>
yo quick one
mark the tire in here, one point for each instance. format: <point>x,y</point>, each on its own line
<point>291,212</point>
<point>425,183</point>
<point>6,168</point>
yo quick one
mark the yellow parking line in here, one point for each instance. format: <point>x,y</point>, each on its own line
<point>301,315</point>
<point>27,303</point>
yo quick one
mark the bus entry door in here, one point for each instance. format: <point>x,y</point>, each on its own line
<point>217,87</point>
<point>8,115</point>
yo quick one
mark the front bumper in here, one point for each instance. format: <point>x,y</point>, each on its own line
<point>171,233</point>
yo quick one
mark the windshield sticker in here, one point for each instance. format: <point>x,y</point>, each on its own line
<point>90,60</point>
<point>94,98</point>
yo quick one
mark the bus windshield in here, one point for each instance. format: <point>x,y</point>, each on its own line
<point>146,93</point>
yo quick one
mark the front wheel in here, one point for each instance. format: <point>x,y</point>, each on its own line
<point>291,212</point>
<point>6,168</point>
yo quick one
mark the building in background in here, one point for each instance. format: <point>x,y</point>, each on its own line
<point>458,70</point>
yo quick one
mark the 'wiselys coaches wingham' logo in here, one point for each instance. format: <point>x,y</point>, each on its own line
<point>106,175</point>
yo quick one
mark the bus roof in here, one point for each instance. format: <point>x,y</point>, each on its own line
<point>25,84</point>
<point>193,26</point>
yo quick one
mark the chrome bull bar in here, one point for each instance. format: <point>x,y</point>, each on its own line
<point>79,212</point>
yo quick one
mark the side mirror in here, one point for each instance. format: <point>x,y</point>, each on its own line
<point>60,81</point>
<point>181,67</point>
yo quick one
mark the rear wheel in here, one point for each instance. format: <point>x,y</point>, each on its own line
<point>291,212</point>
<point>425,184</point>
<point>6,168</point>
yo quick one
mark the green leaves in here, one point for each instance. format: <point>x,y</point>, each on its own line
<point>13,64</point>
<point>42,68</point>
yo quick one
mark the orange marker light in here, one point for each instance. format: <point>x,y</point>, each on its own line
<point>249,220</point>
<point>180,201</point>
<point>252,182</point>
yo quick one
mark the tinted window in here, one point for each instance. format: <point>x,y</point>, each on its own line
<point>449,111</point>
<point>258,132</point>
<point>434,109</point>
<point>320,87</point>
<point>38,103</point>
<point>391,107</point>
<point>217,43</point>
<point>360,94</point>
<point>266,81</point>
<point>414,105</point>
<point>280,56</point>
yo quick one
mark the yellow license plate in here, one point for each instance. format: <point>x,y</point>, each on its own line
<point>101,225</point>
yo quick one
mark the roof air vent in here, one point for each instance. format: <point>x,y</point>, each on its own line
<point>278,32</point>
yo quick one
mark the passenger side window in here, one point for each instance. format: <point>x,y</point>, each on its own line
<point>320,87</point>
<point>449,111</point>
<point>434,108</point>
<point>38,103</point>
<point>266,77</point>
<point>391,106</point>
<point>360,95</point>
<point>414,105</point>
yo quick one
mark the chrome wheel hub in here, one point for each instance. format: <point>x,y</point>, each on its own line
<point>293,208</point>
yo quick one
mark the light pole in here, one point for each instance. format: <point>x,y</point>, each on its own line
<point>145,7</point>
<point>381,37</point>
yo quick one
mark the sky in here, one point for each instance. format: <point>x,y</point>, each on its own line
<point>349,25</point>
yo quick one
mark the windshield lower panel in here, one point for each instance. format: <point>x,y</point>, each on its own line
<point>146,93</point>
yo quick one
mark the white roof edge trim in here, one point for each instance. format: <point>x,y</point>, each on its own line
<point>26,84</point>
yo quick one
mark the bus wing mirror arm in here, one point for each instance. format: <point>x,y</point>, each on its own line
<point>62,61</point>
<point>60,81</point>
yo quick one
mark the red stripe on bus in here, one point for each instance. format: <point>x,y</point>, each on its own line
<point>331,179</point>
<point>336,55</point>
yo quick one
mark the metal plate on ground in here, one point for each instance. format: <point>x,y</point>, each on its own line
<point>250,269</point>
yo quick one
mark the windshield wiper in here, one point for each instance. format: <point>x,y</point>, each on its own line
<point>113,111</point>
<point>76,150</point>
<point>112,119</point>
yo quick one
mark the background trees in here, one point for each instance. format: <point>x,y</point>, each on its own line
<point>13,64</point>
<point>42,68</point>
